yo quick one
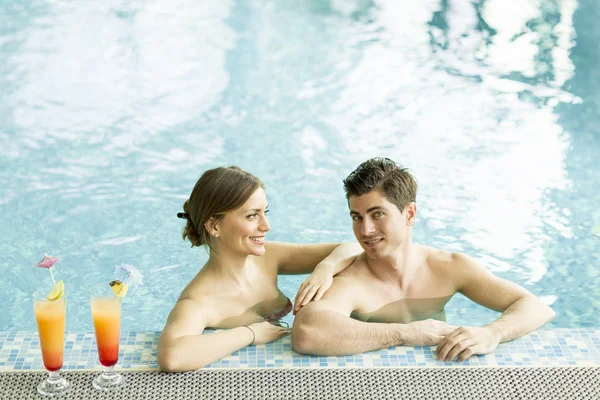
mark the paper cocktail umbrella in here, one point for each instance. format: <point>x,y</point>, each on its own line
<point>48,262</point>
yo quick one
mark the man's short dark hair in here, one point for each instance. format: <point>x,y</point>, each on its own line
<point>385,176</point>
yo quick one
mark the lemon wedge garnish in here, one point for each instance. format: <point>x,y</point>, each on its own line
<point>119,288</point>
<point>57,291</point>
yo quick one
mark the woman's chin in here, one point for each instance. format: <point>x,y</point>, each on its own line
<point>258,252</point>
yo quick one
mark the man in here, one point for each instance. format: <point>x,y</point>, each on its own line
<point>395,291</point>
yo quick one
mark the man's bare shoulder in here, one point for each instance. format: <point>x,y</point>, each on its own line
<point>356,271</point>
<point>343,282</point>
<point>341,296</point>
<point>438,258</point>
<point>347,283</point>
<point>454,266</point>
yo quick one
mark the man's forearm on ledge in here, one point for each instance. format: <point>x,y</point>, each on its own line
<point>521,318</point>
<point>329,333</point>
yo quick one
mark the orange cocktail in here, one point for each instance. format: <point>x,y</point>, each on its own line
<point>106,314</point>
<point>50,316</point>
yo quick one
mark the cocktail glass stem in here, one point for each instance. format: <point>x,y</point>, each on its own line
<point>109,379</point>
<point>109,373</point>
<point>54,386</point>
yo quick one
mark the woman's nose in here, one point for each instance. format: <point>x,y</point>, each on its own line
<point>264,225</point>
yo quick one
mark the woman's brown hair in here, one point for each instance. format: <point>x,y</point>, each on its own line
<point>218,191</point>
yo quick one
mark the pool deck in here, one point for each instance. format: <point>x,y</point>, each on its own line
<point>20,351</point>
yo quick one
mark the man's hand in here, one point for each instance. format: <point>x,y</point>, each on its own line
<point>426,333</point>
<point>314,287</point>
<point>466,341</point>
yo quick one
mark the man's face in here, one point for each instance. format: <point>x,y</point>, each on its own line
<point>378,225</point>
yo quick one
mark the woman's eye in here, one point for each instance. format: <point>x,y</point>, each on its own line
<point>252,216</point>
<point>266,211</point>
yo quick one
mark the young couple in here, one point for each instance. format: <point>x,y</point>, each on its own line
<point>387,291</point>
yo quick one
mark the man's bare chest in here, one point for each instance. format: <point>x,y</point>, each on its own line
<point>387,303</point>
<point>402,310</point>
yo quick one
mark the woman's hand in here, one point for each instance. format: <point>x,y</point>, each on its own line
<point>314,287</point>
<point>265,332</point>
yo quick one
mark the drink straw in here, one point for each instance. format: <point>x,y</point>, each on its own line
<point>52,276</point>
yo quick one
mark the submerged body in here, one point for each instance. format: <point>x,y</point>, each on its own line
<point>392,301</point>
<point>226,304</point>
<point>404,286</point>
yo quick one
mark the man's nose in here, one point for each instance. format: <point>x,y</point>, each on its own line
<point>368,227</point>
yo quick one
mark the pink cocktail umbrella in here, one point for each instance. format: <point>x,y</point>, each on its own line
<point>48,262</point>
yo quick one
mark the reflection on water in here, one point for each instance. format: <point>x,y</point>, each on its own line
<point>110,112</point>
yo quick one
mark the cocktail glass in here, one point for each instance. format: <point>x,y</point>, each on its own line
<point>106,314</point>
<point>50,316</point>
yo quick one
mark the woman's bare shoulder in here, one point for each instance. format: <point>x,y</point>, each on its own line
<point>197,303</point>
<point>201,289</point>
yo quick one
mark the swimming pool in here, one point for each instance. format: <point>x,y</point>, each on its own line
<point>110,112</point>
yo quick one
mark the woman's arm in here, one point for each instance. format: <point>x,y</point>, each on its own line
<point>182,347</point>
<point>315,286</point>
<point>292,258</point>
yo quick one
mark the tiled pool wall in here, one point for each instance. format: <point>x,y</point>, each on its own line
<point>545,347</point>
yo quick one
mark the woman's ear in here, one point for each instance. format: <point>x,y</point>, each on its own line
<point>212,227</point>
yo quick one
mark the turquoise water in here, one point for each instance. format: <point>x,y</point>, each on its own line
<point>110,111</point>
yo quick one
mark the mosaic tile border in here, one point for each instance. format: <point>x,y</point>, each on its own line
<point>19,351</point>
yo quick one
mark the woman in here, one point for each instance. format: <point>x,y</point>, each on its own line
<point>236,289</point>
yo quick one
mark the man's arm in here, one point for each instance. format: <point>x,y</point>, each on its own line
<point>522,312</point>
<point>325,327</point>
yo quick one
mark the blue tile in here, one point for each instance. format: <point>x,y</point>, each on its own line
<point>551,347</point>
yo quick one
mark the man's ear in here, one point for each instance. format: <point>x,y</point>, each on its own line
<point>411,213</point>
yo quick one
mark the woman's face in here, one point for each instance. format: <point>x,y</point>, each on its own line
<point>243,230</point>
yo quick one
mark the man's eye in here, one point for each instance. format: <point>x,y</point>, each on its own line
<point>378,214</point>
<point>356,218</point>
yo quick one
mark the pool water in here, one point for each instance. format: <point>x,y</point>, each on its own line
<point>110,111</point>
